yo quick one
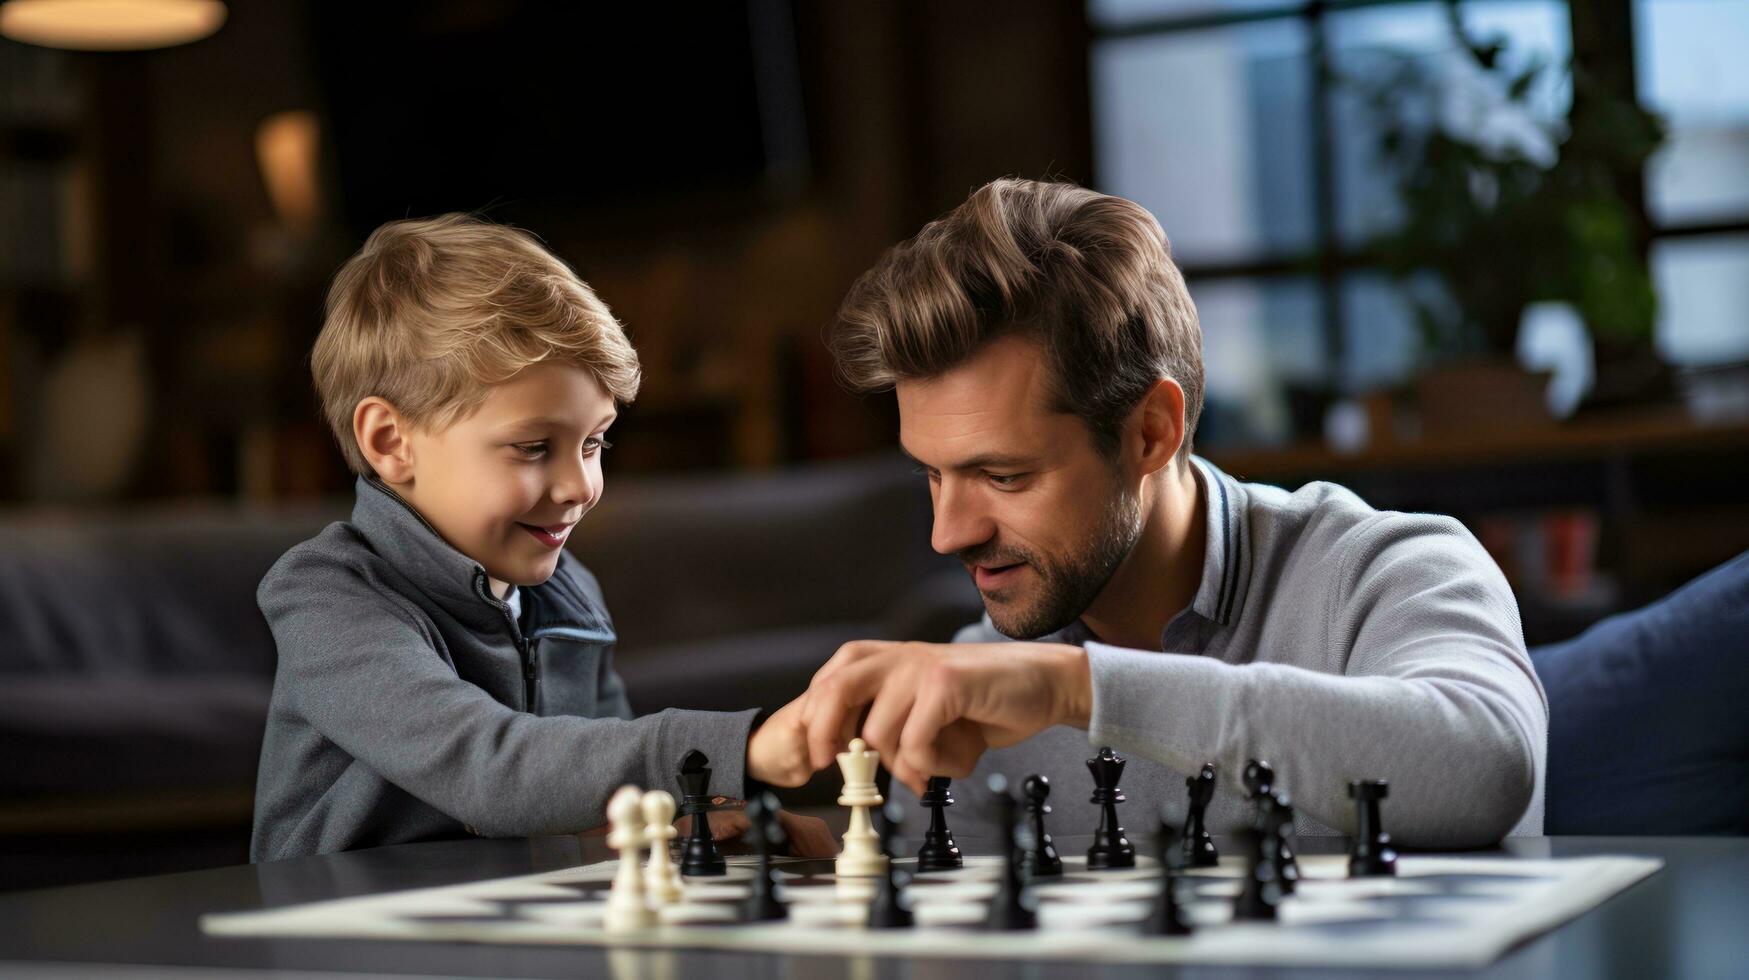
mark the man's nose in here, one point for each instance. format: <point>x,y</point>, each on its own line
<point>960,520</point>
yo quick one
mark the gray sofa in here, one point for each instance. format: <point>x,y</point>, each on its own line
<point>135,668</point>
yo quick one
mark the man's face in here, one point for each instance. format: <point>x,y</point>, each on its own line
<point>1022,497</point>
<point>505,485</point>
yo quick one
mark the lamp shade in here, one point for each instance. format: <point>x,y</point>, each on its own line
<point>110,25</point>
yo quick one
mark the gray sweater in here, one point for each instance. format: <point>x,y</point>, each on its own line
<point>1336,642</point>
<point>409,704</point>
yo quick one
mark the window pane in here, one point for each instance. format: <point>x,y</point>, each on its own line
<point>1209,130</point>
<point>1121,13</point>
<point>1381,335</point>
<point>1703,298</point>
<point>1367,46</point>
<point>1261,339</point>
<point>1691,68</point>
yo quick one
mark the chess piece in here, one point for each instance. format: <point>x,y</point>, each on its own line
<point>1039,858</point>
<point>861,857</point>
<point>1278,822</point>
<point>699,857</point>
<point>1015,907</point>
<point>939,851</point>
<point>1372,855</point>
<point>1166,918</point>
<point>626,906</point>
<point>661,878</point>
<point>768,838</point>
<point>1111,849</point>
<point>1259,779</point>
<point>891,908</point>
<point>1260,892</point>
<point>1199,847</point>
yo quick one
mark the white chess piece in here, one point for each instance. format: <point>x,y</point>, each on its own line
<point>626,907</point>
<point>661,878</point>
<point>861,857</point>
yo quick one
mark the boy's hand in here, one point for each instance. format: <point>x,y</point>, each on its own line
<point>777,751</point>
<point>808,836</point>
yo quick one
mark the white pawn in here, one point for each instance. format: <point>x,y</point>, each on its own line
<point>661,878</point>
<point>626,908</point>
<point>861,857</point>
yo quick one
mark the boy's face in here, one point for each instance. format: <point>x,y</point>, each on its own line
<point>505,485</point>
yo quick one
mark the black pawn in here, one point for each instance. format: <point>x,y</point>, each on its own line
<point>1199,847</point>
<point>1039,859</point>
<point>1278,822</point>
<point>1260,892</point>
<point>939,852</point>
<point>1259,779</point>
<point>1015,908</point>
<point>1372,856</point>
<point>699,856</point>
<point>1166,919</point>
<point>891,907</point>
<point>1111,849</point>
<point>768,838</point>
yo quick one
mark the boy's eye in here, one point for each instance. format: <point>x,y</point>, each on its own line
<point>530,449</point>
<point>595,444</point>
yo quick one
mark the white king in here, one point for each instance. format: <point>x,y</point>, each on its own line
<point>861,857</point>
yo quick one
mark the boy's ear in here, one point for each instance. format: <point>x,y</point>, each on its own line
<point>382,433</point>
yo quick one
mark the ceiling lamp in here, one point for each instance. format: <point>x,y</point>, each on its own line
<point>110,25</point>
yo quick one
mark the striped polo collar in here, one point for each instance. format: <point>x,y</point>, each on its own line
<point>1226,565</point>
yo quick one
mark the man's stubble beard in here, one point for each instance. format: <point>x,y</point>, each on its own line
<point>1067,586</point>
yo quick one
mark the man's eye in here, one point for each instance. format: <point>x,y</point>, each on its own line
<point>926,471</point>
<point>531,449</point>
<point>1004,479</point>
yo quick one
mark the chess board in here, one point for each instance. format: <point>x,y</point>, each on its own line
<point>1439,912</point>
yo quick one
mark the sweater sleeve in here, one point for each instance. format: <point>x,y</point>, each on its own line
<point>367,673</point>
<point>1437,696</point>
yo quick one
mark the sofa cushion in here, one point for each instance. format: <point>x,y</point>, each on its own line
<point>1648,724</point>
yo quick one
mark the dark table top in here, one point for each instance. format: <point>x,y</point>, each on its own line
<point>1690,919</point>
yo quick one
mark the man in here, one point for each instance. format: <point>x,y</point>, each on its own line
<point>1047,363</point>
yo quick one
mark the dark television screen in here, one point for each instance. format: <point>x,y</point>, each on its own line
<point>459,105</point>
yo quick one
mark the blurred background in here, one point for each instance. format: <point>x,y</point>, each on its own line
<point>1489,259</point>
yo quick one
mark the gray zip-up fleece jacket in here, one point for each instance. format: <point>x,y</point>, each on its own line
<point>1335,641</point>
<point>409,705</point>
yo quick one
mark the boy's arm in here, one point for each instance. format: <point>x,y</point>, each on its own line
<point>366,674</point>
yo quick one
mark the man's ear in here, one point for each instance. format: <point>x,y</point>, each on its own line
<point>1157,426</point>
<point>382,435</point>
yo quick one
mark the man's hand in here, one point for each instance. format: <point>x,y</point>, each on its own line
<point>777,751</point>
<point>933,709</point>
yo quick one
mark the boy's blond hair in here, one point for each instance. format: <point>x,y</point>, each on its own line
<point>431,313</point>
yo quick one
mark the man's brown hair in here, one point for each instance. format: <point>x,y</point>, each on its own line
<point>431,313</point>
<point>1087,276</point>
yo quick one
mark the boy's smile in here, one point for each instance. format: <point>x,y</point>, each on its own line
<point>506,484</point>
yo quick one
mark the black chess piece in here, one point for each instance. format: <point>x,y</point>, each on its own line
<point>1372,855</point>
<point>1199,847</point>
<point>1039,858</point>
<point>939,852</point>
<point>1166,918</point>
<point>768,838</point>
<point>1015,907</point>
<point>1278,822</point>
<point>1260,893</point>
<point>1259,779</point>
<point>1111,849</point>
<point>699,856</point>
<point>891,907</point>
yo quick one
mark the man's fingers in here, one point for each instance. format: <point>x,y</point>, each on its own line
<point>834,705</point>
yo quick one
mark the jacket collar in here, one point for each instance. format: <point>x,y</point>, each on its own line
<point>1226,564</point>
<point>459,584</point>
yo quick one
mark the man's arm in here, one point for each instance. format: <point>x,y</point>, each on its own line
<point>1438,696</point>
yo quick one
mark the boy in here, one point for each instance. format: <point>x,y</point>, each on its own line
<point>444,665</point>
